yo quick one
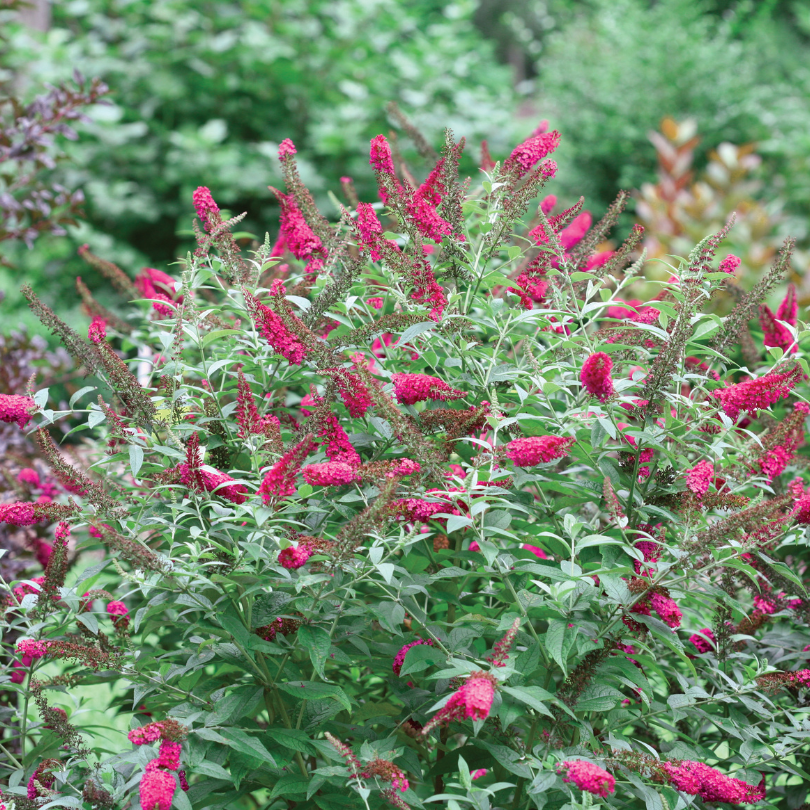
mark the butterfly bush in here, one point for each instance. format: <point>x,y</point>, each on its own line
<point>444,497</point>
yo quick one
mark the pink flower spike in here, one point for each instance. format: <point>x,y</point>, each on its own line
<point>478,774</point>
<point>294,557</point>
<point>525,156</point>
<point>97,331</point>
<point>774,333</point>
<point>595,376</point>
<point>588,777</point>
<point>789,308</point>
<point>330,474</point>
<point>535,450</point>
<point>537,551</point>
<point>758,393</point>
<point>15,408</point>
<point>157,788</point>
<point>703,640</point>
<point>205,205</point>
<point>729,264</point>
<point>381,159</point>
<point>31,648</point>
<point>19,513</point>
<point>472,701</point>
<point>119,614</point>
<point>169,755</point>
<point>285,148</point>
<point>279,480</point>
<point>699,478</point>
<point>669,612</point>
<point>399,660</point>
<point>412,388</point>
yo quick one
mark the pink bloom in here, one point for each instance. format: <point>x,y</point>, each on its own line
<point>353,391</point>
<point>419,510</point>
<point>572,234</point>
<point>589,777</point>
<point>30,477</point>
<point>169,755</point>
<point>19,513</point>
<point>699,478</point>
<point>698,779</point>
<point>330,474</point>
<point>279,480</point>
<point>789,308</point>
<point>97,331</point>
<point>538,450</point>
<point>273,329</point>
<point>211,479</point>
<point>472,701</point>
<point>478,774</point>
<point>405,466</point>
<point>158,287</point>
<point>43,552</point>
<point>376,302</point>
<point>156,788</point>
<point>595,376</point>
<point>294,557</point>
<point>773,332</point>
<point>338,445</point>
<point>537,551</point>
<point>703,640</point>
<point>381,159</point>
<point>299,238</point>
<point>399,660</point>
<point>15,408</point>
<point>422,206</point>
<point>525,156</point>
<point>412,388</point>
<point>370,232</point>
<point>760,392</point>
<point>205,205</point>
<point>119,613</point>
<point>474,546</point>
<point>669,613</point>
<point>729,264</point>
<point>28,647</point>
<point>286,147</point>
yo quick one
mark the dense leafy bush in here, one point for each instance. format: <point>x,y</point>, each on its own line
<point>411,506</point>
<point>608,78</point>
<point>212,88</point>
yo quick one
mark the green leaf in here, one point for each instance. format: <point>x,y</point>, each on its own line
<point>311,690</point>
<point>243,742</point>
<point>559,640</point>
<point>135,459</point>
<point>213,770</point>
<point>316,641</point>
<point>421,657</point>
<point>532,696</point>
<point>291,738</point>
<point>289,785</point>
<point>217,334</point>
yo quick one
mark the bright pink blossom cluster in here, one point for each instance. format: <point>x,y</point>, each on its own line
<point>412,388</point>
<point>399,659</point>
<point>330,474</point>
<point>158,287</point>
<point>595,376</point>
<point>472,701</point>
<point>97,331</point>
<point>205,205</point>
<point>698,779</point>
<point>529,153</point>
<point>119,614</point>
<point>760,392</point>
<point>211,479</point>
<point>588,777</point>
<point>729,264</point>
<point>294,557</point>
<point>699,478</point>
<point>703,640</point>
<point>15,408</point>
<point>535,450</point>
<point>273,329</point>
<point>279,480</point>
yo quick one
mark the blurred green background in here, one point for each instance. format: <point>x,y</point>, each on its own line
<point>202,92</point>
